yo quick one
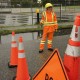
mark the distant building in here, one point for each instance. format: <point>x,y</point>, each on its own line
<point>5,3</point>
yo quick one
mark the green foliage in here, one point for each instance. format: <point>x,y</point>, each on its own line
<point>29,3</point>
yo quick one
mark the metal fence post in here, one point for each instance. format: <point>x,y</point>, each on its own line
<point>60,11</point>
<point>0,38</point>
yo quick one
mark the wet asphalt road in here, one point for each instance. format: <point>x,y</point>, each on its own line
<point>34,59</point>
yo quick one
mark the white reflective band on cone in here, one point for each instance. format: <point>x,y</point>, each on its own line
<point>72,36</point>
<point>13,38</point>
<point>14,45</point>
<point>72,51</point>
<point>21,55</point>
<point>21,46</point>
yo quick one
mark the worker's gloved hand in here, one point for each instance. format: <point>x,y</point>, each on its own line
<point>56,30</point>
<point>41,22</point>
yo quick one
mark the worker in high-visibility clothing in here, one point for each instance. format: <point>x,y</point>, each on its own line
<point>50,25</point>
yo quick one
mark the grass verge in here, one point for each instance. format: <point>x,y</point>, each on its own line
<point>26,30</point>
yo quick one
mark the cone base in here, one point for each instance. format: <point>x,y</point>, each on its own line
<point>11,66</point>
<point>72,67</point>
<point>14,78</point>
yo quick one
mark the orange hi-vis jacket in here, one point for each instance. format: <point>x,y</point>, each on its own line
<point>49,21</point>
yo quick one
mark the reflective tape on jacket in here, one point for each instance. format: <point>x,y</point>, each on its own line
<point>14,45</point>
<point>46,23</point>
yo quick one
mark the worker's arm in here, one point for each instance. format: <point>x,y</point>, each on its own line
<point>42,19</point>
<point>56,24</point>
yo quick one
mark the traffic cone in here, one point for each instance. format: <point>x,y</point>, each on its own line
<point>22,69</point>
<point>72,53</point>
<point>14,53</point>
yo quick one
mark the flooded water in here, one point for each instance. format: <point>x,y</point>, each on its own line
<point>17,20</point>
<point>26,37</point>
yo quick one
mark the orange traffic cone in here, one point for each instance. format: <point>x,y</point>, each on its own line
<point>72,53</point>
<point>14,53</point>
<point>22,69</point>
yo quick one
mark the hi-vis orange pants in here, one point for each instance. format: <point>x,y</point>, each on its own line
<point>47,34</point>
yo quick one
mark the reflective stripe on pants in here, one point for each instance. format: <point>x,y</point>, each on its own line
<point>48,35</point>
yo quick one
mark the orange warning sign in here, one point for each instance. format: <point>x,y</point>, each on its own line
<point>53,69</point>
